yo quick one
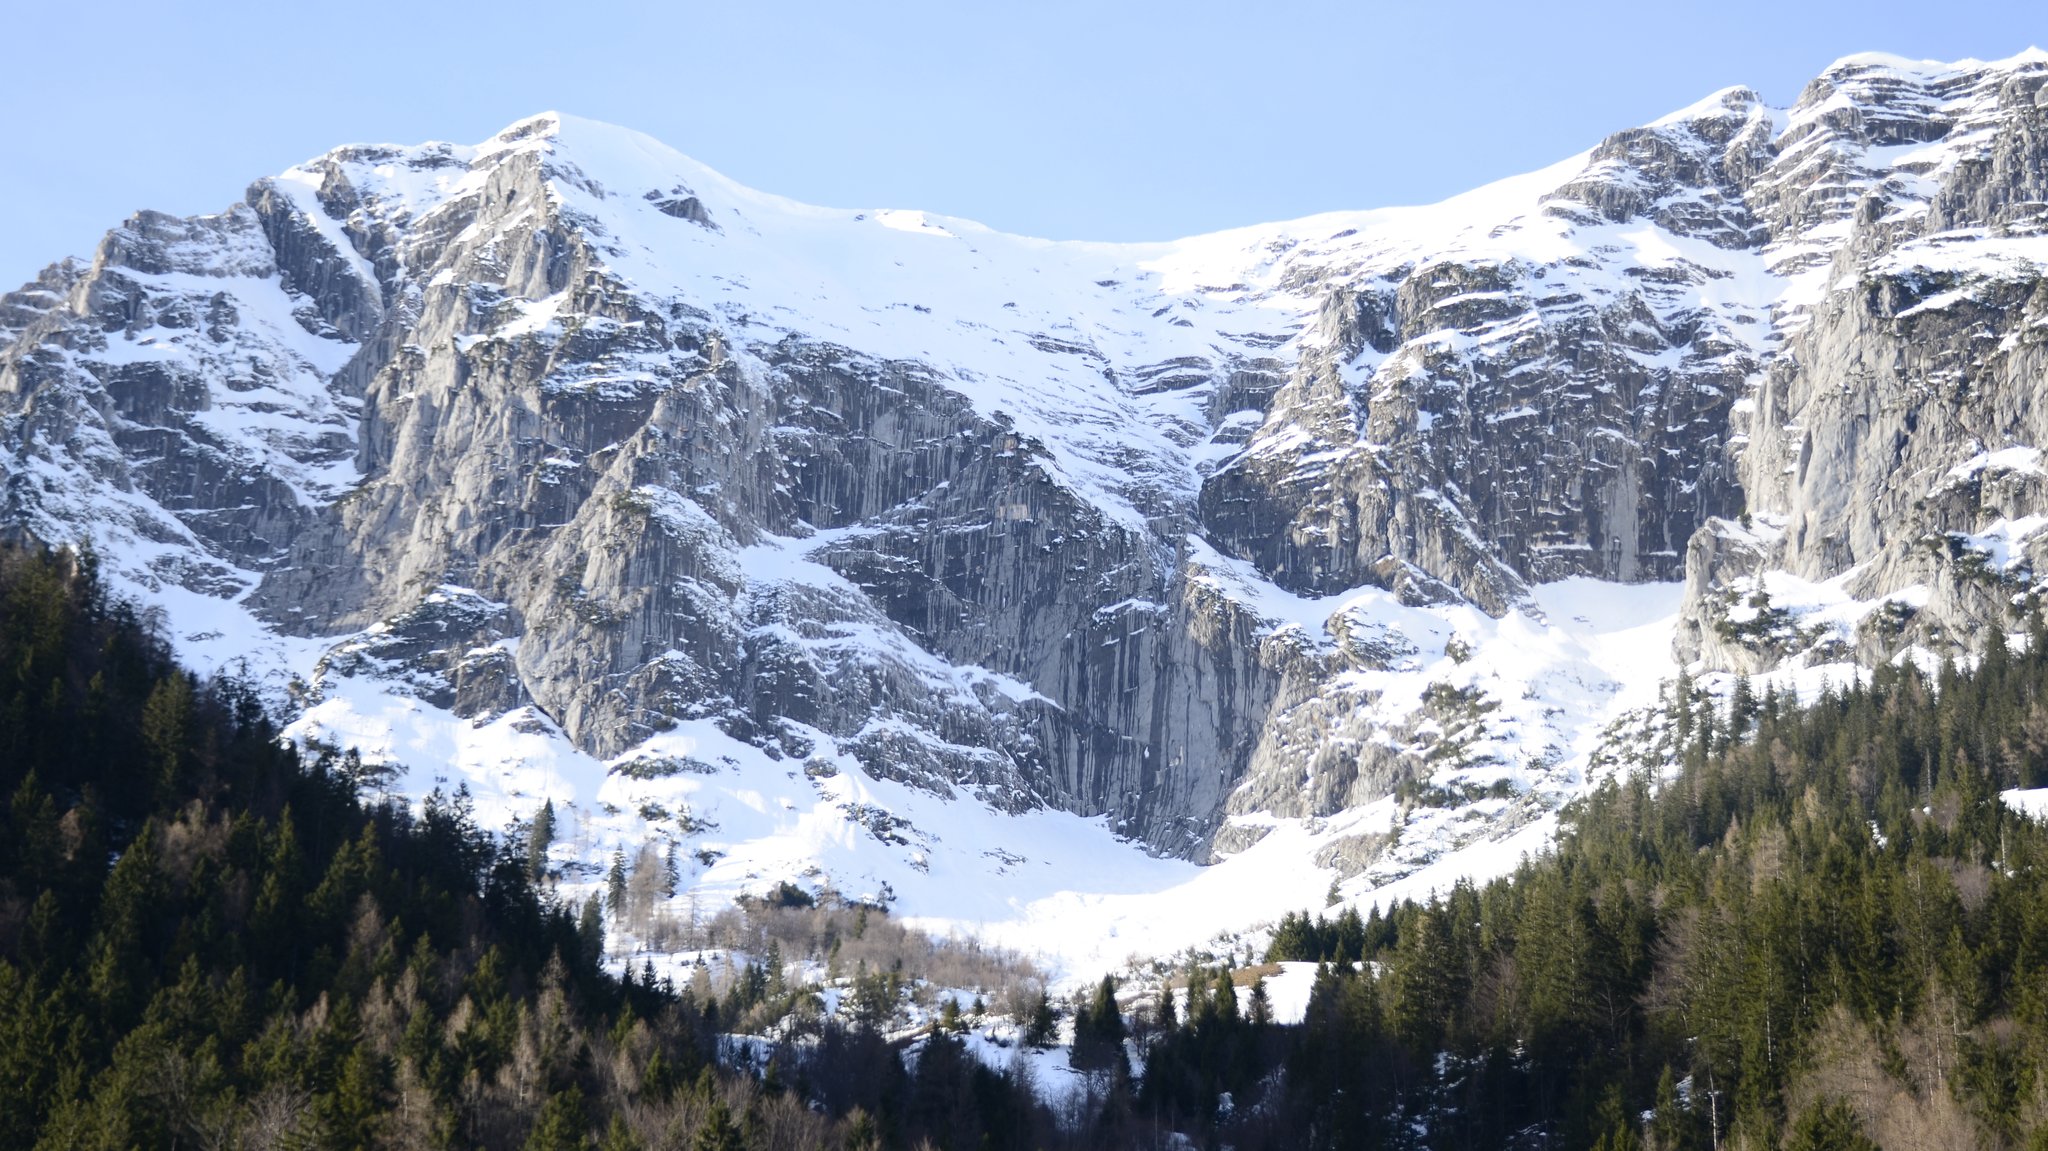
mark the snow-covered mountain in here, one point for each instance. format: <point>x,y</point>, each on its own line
<point>1099,596</point>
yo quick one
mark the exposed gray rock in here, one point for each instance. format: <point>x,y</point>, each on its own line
<point>529,425</point>
<point>1891,447</point>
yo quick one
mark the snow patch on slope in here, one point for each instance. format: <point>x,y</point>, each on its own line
<point>1050,884</point>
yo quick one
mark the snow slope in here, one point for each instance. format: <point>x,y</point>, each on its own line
<point>1117,359</point>
<point>1055,337</point>
<point>1051,885</point>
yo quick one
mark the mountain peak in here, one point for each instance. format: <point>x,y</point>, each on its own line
<point>1862,62</point>
<point>1735,100</point>
<point>799,535</point>
<point>540,124</point>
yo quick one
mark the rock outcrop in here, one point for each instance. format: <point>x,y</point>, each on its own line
<point>1890,455</point>
<point>566,422</point>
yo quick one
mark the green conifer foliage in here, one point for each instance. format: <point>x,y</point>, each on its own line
<point>562,1124</point>
<point>718,1132</point>
<point>538,839</point>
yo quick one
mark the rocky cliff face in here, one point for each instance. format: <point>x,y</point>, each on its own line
<point>1890,456</point>
<point>566,438</point>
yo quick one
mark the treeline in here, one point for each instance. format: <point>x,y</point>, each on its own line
<point>1346,939</point>
<point>207,941</point>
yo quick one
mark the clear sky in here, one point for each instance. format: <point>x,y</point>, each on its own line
<point>1103,120</point>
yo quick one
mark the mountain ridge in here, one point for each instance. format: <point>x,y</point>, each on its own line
<point>593,472</point>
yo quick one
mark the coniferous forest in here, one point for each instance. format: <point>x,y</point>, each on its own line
<point>1818,929</point>
<point>207,941</point>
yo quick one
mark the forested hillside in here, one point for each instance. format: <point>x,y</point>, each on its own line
<point>1824,931</point>
<point>207,941</point>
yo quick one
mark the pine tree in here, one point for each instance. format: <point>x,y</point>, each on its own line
<point>1741,707</point>
<point>1261,1006</point>
<point>33,845</point>
<point>1349,932</point>
<point>659,1081</point>
<point>718,1132</point>
<point>278,902</point>
<point>1107,1017</point>
<point>615,884</point>
<point>1199,1007</point>
<point>561,1125</point>
<point>1828,1126</point>
<point>132,900</point>
<point>166,720</point>
<point>1428,982</point>
<point>354,1106</point>
<point>1681,707</point>
<point>1043,1027</point>
<point>1223,1001</point>
<point>538,840</point>
<point>861,1133</point>
<point>1671,1126</point>
<point>1098,1028</point>
<point>618,1137</point>
<point>590,930</point>
<point>1616,1131</point>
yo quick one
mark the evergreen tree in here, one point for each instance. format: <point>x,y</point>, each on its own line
<point>1223,1000</point>
<point>562,1124</point>
<point>590,930</point>
<point>1828,1126</point>
<point>1260,1010</point>
<point>618,1137</point>
<point>718,1132</point>
<point>244,949</point>
<point>1616,1131</point>
<point>1671,1124</point>
<point>615,883</point>
<point>538,840</point>
<point>861,1133</point>
<point>1043,1028</point>
<point>166,718</point>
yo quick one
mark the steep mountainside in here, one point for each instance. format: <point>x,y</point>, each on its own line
<point>884,549</point>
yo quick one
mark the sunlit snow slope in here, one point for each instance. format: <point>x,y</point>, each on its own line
<point>1096,597</point>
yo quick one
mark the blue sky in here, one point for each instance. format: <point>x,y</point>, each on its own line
<point>1096,120</point>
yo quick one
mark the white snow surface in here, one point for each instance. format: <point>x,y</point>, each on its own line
<point>2031,802</point>
<point>1053,336</point>
<point>1287,992</point>
<point>1058,887</point>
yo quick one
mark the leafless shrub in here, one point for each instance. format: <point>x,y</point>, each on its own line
<point>279,1118</point>
<point>1913,1109</point>
<point>846,938</point>
<point>189,838</point>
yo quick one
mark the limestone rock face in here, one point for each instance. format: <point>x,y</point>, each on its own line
<point>1550,401</point>
<point>567,428</point>
<point>1890,452</point>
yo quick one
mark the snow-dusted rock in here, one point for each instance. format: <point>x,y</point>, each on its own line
<point>565,465</point>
